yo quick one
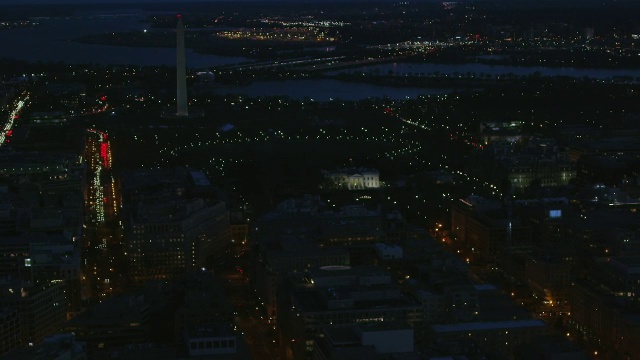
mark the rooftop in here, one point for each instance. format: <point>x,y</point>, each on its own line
<point>487,326</point>
<point>342,335</point>
<point>211,330</point>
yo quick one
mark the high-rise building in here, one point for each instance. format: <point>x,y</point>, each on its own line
<point>181,70</point>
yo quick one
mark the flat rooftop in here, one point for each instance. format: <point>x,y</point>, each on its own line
<point>484,326</point>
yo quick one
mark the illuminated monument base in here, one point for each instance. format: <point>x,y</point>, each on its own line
<point>170,113</point>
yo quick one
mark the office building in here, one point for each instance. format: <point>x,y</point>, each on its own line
<point>167,231</point>
<point>41,307</point>
<point>339,296</point>
<point>376,340</point>
<point>490,232</point>
<point>500,339</point>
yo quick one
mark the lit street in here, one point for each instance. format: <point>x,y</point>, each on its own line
<point>101,273</point>
<point>7,129</point>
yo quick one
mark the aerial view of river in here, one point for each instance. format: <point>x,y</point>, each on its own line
<point>52,41</point>
<point>327,89</point>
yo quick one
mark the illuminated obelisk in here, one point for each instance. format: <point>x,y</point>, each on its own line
<point>181,70</point>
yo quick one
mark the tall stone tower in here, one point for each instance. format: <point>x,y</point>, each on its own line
<point>181,70</point>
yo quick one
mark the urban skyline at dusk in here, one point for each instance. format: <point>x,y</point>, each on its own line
<point>344,180</point>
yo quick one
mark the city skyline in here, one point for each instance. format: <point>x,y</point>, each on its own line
<point>393,179</point>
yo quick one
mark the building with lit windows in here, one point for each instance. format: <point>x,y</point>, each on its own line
<point>338,296</point>
<point>41,219</point>
<point>499,338</point>
<point>614,146</point>
<point>599,315</point>
<point>41,307</point>
<point>487,229</point>
<point>63,169</point>
<point>275,264</point>
<point>354,178</point>
<point>182,237</point>
<point>538,163</point>
<point>605,232</point>
<point>304,233</point>
<point>14,255</point>
<point>213,339</point>
<point>49,118</point>
<point>168,232</point>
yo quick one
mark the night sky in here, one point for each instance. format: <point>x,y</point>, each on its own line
<point>22,2</point>
<point>28,2</point>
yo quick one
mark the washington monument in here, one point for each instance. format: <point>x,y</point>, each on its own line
<point>181,71</point>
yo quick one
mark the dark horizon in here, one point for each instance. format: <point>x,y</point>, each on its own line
<point>339,179</point>
<point>125,2</point>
